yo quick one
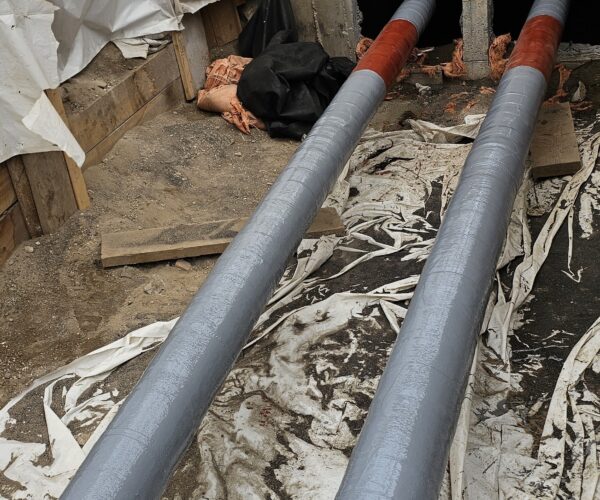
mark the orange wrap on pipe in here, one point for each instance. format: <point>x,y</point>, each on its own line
<point>390,51</point>
<point>537,45</point>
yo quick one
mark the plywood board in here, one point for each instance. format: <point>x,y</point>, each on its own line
<point>554,149</point>
<point>51,188</point>
<point>75,174</point>
<point>221,23</point>
<point>12,232</point>
<point>20,182</point>
<point>169,98</point>
<point>8,196</point>
<point>193,57</point>
<point>104,116</point>
<point>191,240</point>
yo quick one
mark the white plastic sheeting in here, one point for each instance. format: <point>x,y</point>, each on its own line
<point>288,414</point>
<point>43,43</point>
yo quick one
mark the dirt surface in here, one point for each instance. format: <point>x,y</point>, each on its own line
<point>105,71</point>
<point>57,303</point>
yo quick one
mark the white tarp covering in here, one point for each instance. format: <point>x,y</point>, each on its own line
<point>288,414</point>
<point>44,43</point>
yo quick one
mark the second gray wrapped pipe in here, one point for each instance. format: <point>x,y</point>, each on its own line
<point>403,448</point>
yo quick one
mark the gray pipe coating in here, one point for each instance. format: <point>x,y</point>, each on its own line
<point>403,447</point>
<point>136,454</point>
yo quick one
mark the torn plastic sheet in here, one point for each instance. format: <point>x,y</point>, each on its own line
<point>30,124</point>
<point>44,43</point>
<point>289,413</point>
<point>142,46</point>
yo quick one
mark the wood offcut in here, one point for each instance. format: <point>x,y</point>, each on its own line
<point>192,240</point>
<point>554,149</point>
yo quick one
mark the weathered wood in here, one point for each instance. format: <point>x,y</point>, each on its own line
<point>221,23</point>
<point>191,240</point>
<point>75,174</point>
<point>193,57</point>
<point>554,149</point>
<point>51,188</point>
<point>8,196</point>
<point>20,182</point>
<point>169,98</point>
<point>432,76</point>
<point>94,124</point>
<point>13,231</point>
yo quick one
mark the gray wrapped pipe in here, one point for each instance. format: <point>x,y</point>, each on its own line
<point>136,454</point>
<point>403,448</point>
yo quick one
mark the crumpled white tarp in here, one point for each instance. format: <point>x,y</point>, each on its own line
<point>289,412</point>
<point>43,43</point>
<point>29,64</point>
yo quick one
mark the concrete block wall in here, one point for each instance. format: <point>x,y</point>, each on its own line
<point>333,23</point>
<point>477,22</point>
<point>336,25</point>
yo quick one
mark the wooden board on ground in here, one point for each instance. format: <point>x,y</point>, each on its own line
<point>12,232</point>
<point>169,98</point>
<point>92,125</point>
<point>192,240</point>
<point>192,54</point>
<point>554,149</point>
<point>51,188</point>
<point>221,22</point>
<point>7,192</point>
<point>20,182</point>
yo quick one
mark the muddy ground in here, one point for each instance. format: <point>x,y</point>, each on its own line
<point>58,303</point>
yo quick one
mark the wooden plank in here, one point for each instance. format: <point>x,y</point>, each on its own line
<point>192,240</point>
<point>221,22</point>
<point>193,57</point>
<point>109,112</point>
<point>20,182</point>
<point>75,174</point>
<point>13,231</point>
<point>8,196</point>
<point>554,149</point>
<point>51,188</point>
<point>169,98</point>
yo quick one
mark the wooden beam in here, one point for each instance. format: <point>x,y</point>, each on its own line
<point>192,240</point>
<point>94,124</point>
<point>8,197</point>
<point>554,149</point>
<point>193,57</point>
<point>170,98</point>
<point>51,188</point>
<point>221,22</point>
<point>13,231</point>
<point>20,182</point>
<point>75,174</point>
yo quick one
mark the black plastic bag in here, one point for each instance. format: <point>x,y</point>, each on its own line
<point>290,84</point>
<point>271,17</point>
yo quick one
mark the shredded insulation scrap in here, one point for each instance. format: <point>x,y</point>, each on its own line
<point>287,418</point>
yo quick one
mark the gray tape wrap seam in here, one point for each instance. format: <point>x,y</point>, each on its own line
<point>418,12</point>
<point>135,455</point>
<point>558,9</point>
<point>411,421</point>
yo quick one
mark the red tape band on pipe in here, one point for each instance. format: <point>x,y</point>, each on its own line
<point>390,50</point>
<point>537,45</point>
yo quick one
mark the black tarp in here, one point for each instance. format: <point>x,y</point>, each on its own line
<point>289,84</point>
<point>271,17</point>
